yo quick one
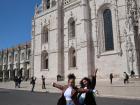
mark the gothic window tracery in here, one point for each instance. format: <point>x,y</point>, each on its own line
<point>108,31</point>
<point>72,57</point>
<point>71,28</point>
<point>44,35</point>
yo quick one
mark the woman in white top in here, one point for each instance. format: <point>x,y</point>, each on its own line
<point>69,92</point>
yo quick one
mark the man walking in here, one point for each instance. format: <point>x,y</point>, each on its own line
<point>43,82</point>
<point>111,78</point>
<point>16,81</point>
<point>33,83</point>
<point>126,77</point>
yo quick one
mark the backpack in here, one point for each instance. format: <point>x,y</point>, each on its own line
<point>127,77</point>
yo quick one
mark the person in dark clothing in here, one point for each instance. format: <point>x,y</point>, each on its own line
<point>126,78</point>
<point>43,82</point>
<point>132,74</point>
<point>19,81</point>
<point>16,81</point>
<point>88,98</point>
<point>33,80</point>
<point>111,77</point>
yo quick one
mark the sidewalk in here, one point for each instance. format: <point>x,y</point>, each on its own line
<point>116,90</point>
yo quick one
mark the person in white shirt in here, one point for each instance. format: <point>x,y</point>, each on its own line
<point>69,92</point>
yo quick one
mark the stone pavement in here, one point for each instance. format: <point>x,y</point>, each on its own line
<point>105,89</point>
<point>118,89</point>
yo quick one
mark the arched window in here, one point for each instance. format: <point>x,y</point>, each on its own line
<point>108,31</point>
<point>72,57</point>
<point>45,35</point>
<point>71,28</point>
<point>45,61</point>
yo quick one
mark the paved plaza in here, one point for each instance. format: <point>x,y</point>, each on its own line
<point>116,90</point>
<point>15,97</point>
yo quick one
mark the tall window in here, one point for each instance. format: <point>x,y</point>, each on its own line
<point>71,28</point>
<point>45,61</point>
<point>28,54</point>
<point>16,57</point>
<point>72,57</point>
<point>108,31</point>
<point>45,35</point>
<point>5,59</point>
<point>48,4</point>
<point>22,56</point>
<point>10,58</point>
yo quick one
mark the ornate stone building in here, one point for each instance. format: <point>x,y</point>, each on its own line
<point>15,62</point>
<point>77,36</point>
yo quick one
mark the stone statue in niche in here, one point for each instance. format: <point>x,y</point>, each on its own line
<point>130,51</point>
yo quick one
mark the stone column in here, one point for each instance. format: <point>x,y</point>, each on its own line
<point>32,49</point>
<point>87,35</point>
<point>60,26</point>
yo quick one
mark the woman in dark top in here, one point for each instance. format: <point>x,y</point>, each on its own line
<point>88,98</point>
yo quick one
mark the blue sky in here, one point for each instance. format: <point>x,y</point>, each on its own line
<point>15,21</point>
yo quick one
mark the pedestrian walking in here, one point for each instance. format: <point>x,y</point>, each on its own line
<point>16,81</point>
<point>19,81</point>
<point>111,77</point>
<point>126,78</point>
<point>43,82</point>
<point>33,80</point>
<point>69,92</point>
<point>132,74</point>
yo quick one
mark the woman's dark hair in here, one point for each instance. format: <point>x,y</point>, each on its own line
<point>71,76</point>
<point>88,80</point>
